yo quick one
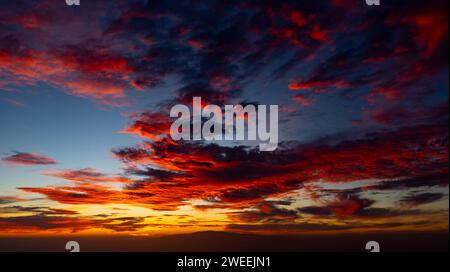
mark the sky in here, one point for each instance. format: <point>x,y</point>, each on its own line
<point>86,91</point>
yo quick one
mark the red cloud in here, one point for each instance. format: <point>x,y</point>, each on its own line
<point>151,125</point>
<point>30,21</point>
<point>432,30</point>
<point>319,34</point>
<point>318,86</point>
<point>108,66</point>
<point>347,205</point>
<point>298,18</point>
<point>103,80</point>
<point>303,100</point>
<point>22,159</point>
<point>86,175</point>
<point>103,91</point>
<point>175,172</point>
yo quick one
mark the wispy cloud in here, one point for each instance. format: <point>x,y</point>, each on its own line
<point>28,159</point>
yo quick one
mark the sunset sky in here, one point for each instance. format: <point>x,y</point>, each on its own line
<point>85,95</point>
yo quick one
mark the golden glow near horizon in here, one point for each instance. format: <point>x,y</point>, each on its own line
<point>120,219</point>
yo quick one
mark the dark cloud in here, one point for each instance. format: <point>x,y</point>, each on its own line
<point>64,223</point>
<point>47,218</point>
<point>9,199</point>
<point>315,210</point>
<point>366,212</point>
<point>288,227</point>
<point>308,227</point>
<point>439,179</point>
<point>266,212</point>
<point>420,199</point>
<point>36,210</point>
